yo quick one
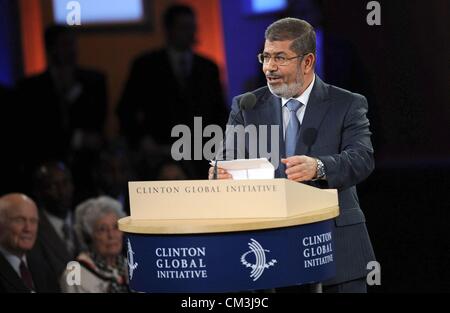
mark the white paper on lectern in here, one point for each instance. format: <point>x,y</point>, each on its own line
<point>248,168</point>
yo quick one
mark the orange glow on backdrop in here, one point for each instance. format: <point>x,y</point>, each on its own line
<point>34,59</point>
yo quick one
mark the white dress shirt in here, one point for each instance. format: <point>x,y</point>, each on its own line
<point>13,260</point>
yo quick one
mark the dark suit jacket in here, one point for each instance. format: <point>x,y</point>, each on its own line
<point>51,248</point>
<point>344,146</point>
<point>153,100</point>
<point>43,129</point>
<point>10,282</point>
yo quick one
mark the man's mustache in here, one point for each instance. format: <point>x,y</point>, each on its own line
<point>272,75</point>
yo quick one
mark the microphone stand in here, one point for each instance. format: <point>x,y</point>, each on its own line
<point>215,170</point>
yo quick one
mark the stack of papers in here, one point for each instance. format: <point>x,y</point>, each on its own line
<point>248,169</point>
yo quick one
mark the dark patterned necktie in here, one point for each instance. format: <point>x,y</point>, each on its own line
<point>26,275</point>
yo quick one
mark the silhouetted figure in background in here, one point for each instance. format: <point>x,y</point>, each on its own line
<point>56,241</point>
<point>12,159</point>
<point>66,104</point>
<point>20,272</point>
<point>170,86</point>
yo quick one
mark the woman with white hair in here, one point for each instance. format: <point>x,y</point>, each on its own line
<point>102,265</point>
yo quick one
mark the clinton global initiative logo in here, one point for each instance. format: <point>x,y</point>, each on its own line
<point>130,260</point>
<point>260,264</point>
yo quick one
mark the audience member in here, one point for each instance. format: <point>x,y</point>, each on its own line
<point>56,240</point>
<point>103,267</point>
<point>20,273</point>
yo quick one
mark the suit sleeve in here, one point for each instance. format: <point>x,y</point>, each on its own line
<point>355,161</point>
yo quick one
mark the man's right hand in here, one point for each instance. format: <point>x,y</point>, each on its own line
<point>221,173</point>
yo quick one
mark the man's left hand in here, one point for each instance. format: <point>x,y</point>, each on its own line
<point>300,168</point>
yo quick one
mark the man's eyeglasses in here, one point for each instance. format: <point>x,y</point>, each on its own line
<point>279,60</point>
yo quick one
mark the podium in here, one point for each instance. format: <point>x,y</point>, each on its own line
<point>227,236</point>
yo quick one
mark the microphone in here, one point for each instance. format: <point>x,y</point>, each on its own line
<point>247,102</point>
<point>309,138</point>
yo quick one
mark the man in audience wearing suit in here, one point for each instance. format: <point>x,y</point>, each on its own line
<point>18,229</point>
<point>53,189</point>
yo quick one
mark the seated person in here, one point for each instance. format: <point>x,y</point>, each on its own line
<point>20,273</point>
<point>103,267</point>
<point>53,190</point>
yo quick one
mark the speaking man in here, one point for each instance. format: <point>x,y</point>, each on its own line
<point>325,139</point>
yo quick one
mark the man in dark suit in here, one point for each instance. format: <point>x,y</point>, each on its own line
<point>18,229</point>
<point>65,105</point>
<point>53,189</point>
<point>324,139</point>
<point>171,86</point>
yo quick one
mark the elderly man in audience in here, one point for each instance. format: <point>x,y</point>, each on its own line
<point>18,230</point>
<point>102,265</point>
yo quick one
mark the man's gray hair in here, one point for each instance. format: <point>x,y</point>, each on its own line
<point>89,212</point>
<point>295,29</point>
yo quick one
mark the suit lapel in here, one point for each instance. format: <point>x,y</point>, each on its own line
<point>317,108</point>
<point>271,114</point>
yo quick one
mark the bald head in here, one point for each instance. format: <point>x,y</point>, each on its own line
<point>12,201</point>
<point>18,223</point>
